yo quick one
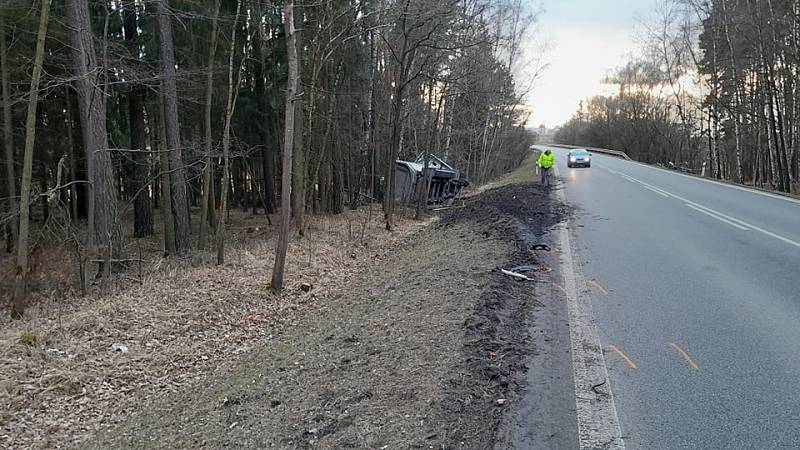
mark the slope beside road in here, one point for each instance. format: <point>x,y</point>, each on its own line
<point>427,348</point>
<point>694,296</point>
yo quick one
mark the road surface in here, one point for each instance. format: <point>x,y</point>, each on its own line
<point>696,300</point>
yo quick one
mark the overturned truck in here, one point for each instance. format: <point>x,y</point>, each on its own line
<point>444,181</point>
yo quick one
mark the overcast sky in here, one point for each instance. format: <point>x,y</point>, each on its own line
<point>586,39</point>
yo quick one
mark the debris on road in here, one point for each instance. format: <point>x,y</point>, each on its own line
<point>120,347</point>
<point>516,275</point>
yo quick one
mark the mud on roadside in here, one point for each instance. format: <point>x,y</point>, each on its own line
<point>498,339</point>
<point>414,353</point>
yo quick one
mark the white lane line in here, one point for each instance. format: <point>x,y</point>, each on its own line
<point>707,180</point>
<point>632,180</point>
<point>719,183</point>
<point>629,178</point>
<point>598,422</point>
<point>657,191</point>
<point>733,224</point>
<point>713,211</point>
<point>770,234</point>
<point>741,222</point>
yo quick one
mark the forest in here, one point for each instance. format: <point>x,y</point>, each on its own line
<point>128,119</point>
<point>714,90</point>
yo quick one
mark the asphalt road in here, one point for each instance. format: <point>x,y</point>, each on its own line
<point>696,299</point>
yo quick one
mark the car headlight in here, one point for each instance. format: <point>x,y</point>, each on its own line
<point>571,159</point>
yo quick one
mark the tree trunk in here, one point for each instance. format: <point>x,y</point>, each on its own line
<point>736,95</point>
<point>395,144</point>
<point>103,223</point>
<point>169,91</point>
<point>166,184</point>
<point>404,61</point>
<point>21,269</point>
<point>299,175</point>
<point>299,179</point>
<point>143,206</point>
<point>8,138</point>
<point>432,138</point>
<point>267,159</point>
<point>208,171</point>
<point>73,164</point>
<point>369,117</point>
<point>288,145</point>
<point>226,143</point>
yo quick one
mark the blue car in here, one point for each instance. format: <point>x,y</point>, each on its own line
<point>579,157</point>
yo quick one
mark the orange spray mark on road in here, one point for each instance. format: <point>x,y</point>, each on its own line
<point>561,288</point>
<point>597,286</point>
<point>625,358</point>
<point>685,355</point>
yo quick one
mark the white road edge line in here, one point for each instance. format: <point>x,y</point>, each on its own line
<point>730,218</point>
<point>735,225</point>
<point>706,180</point>
<point>598,422</point>
<point>719,183</point>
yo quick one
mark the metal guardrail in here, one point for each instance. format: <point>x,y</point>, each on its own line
<point>606,151</point>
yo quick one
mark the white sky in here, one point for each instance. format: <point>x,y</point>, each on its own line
<point>586,39</point>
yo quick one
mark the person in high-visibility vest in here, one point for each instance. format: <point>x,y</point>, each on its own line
<point>546,162</point>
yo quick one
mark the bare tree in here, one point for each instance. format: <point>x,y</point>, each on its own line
<point>260,73</point>
<point>170,246</point>
<point>8,137</point>
<point>103,223</point>
<point>21,270</point>
<point>169,90</point>
<point>230,105</point>
<point>143,206</point>
<point>416,27</point>
<point>734,68</point>
<point>289,132</point>
<point>209,168</point>
<point>299,152</point>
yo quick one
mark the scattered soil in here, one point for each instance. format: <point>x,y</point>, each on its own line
<point>519,215</point>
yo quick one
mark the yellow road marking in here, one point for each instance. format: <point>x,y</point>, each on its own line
<point>685,355</point>
<point>627,360</point>
<point>561,288</point>
<point>597,286</point>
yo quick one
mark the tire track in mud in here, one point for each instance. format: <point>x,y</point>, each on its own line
<point>505,326</point>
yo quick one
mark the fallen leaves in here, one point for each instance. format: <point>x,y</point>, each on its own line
<point>178,321</point>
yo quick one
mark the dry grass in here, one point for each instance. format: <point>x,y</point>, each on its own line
<point>367,368</point>
<point>180,319</point>
<point>525,173</point>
